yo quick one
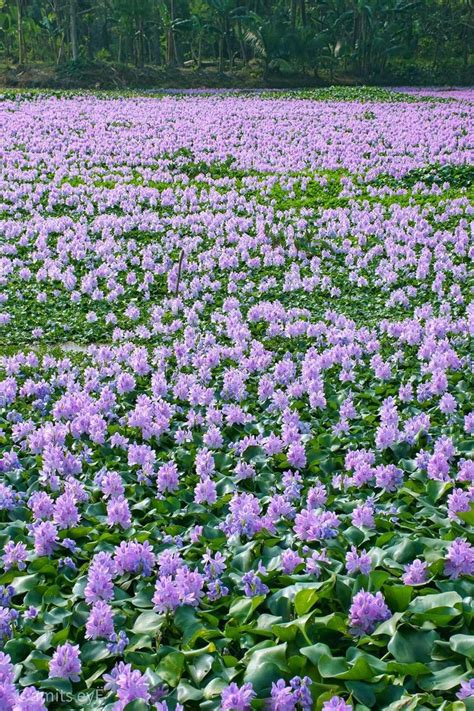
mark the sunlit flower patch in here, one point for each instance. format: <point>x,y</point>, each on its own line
<point>237,425</point>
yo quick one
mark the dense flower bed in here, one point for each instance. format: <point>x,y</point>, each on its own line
<point>236,404</point>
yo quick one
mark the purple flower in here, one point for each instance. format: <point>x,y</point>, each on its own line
<point>289,561</point>
<point>317,496</point>
<point>118,513</point>
<point>363,516</point>
<point>65,662</point>
<point>302,693</point>
<point>366,611</point>
<point>41,504</point>
<point>282,697</point>
<point>117,643</point>
<point>415,573</point>
<point>289,698</point>
<point>292,483</point>
<point>253,586</point>
<point>459,501</point>
<point>213,566</point>
<point>100,623</point>
<point>356,562</point>
<point>312,563</point>
<point>167,477</point>
<point>438,467</point>
<point>14,555</point>
<point>244,517</point>
<point>134,557</point>
<point>336,703</point>
<point>216,590</point>
<point>204,463</point>
<point>467,689</point>
<point>205,492</point>
<point>99,579</point>
<point>296,455</point>
<point>8,618</point>
<point>234,698</point>
<point>460,559</point>
<point>46,535</point>
<point>30,700</point>
<point>469,423</point>
<point>447,404</point>
<point>111,484</point>
<point>8,693</point>
<point>166,596</point>
<point>128,684</point>
<point>311,525</point>
<point>8,497</point>
<point>388,477</point>
<point>66,514</point>
<point>183,588</point>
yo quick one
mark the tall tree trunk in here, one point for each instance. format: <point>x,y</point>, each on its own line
<point>171,53</point>
<point>228,39</point>
<point>73,30</point>
<point>293,14</point>
<point>221,53</point>
<point>140,43</point>
<point>60,50</point>
<point>105,28</point>
<point>303,12</point>
<point>170,50</point>
<point>156,46</point>
<point>199,53</point>
<point>20,33</point>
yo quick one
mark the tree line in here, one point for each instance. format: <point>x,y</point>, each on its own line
<point>358,37</point>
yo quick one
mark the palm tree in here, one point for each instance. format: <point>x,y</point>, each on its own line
<point>20,11</point>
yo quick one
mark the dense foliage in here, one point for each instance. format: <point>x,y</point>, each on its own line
<point>411,40</point>
<point>236,424</point>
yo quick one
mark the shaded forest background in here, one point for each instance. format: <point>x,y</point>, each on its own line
<point>103,43</point>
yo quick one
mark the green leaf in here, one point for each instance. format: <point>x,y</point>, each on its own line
<point>467,516</point>
<point>439,608</point>
<point>363,692</point>
<point>94,651</point>
<point>63,685</point>
<point>436,489</point>
<point>409,645</point>
<point>148,622</point>
<point>329,666</point>
<point>265,666</point>
<point>443,679</point>
<point>306,598</point>
<point>26,583</point>
<point>201,667</point>
<point>315,652</point>
<point>242,608</point>
<point>389,626</point>
<point>463,644</point>
<point>137,705</point>
<point>287,631</point>
<point>415,669</point>
<point>18,649</point>
<point>215,687</point>
<point>171,668</point>
<point>398,597</point>
<point>186,692</point>
<point>191,627</point>
<point>333,621</point>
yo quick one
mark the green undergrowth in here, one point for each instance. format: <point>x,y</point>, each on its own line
<point>365,94</point>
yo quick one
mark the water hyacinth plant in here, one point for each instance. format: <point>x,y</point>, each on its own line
<point>236,414</point>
